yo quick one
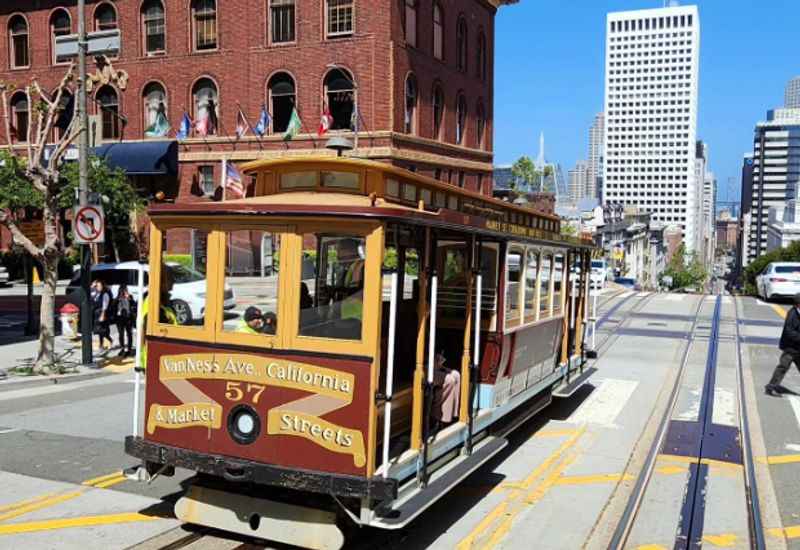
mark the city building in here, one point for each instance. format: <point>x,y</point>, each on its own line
<point>579,183</point>
<point>727,231</point>
<point>745,218</point>
<point>409,83</point>
<point>700,169</point>
<point>650,106</point>
<point>775,174</point>
<point>791,99</point>
<point>784,225</point>
<point>708,227</point>
<point>595,168</point>
<point>506,187</point>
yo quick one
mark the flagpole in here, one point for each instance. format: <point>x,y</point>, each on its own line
<point>303,124</point>
<point>249,126</point>
<point>224,173</point>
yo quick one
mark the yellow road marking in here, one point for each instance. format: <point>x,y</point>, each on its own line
<point>7,507</point>
<point>108,483</point>
<point>651,547</point>
<point>792,532</point>
<point>779,310</point>
<point>467,542</point>
<point>554,433</point>
<point>118,368</point>
<point>723,541</point>
<point>779,459</point>
<point>86,521</point>
<point>670,470</point>
<point>100,479</point>
<point>590,479</point>
<point>52,501</point>
<point>708,461</point>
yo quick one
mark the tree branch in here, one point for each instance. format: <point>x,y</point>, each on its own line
<point>19,236</point>
<point>6,119</point>
<point>51,113</point>
<point>72,132</point>
<point>30,126</point>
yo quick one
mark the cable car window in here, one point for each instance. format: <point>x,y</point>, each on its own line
<point>250,299</point>
<point>332,286</point>
<point>558,279</point>
<point>439,199</point>
<point>409,192</point>
<point>544,287</point>
<point>298,180</point>
<point>341,180</point>
<point>452,202</point>
<point>184,254</point>
<point>513,279</point>
<point>392,188</point>
<point>425,196</point>
<point>453,269</point>
<point>531,271</point>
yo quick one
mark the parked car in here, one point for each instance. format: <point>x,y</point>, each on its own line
<point>599,274</point>
<point>779,279</point>
<point>627,282</point>
<point>188,292</point>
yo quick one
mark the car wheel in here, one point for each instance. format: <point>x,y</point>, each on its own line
<point>182,311</point>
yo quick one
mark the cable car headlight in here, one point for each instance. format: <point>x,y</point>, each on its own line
<point>244,425</point>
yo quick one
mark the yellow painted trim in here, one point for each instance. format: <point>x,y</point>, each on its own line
<point>46,503</point>
<point>779,310</point>
<point>372,334</point>
<point>779,459</point>
<point>419,370</point>
<point>66,523</point>
<point>466,357</point>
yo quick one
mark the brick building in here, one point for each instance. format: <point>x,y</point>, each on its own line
<point>419,76</point>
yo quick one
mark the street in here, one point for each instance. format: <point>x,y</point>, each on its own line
<point>61,452</point>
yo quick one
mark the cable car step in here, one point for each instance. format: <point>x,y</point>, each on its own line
<point>566,390</point>
<point>441,482</point>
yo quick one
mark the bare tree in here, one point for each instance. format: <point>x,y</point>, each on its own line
<point>44,178</point>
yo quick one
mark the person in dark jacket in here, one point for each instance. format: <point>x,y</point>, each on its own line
<point>125,317</point>
<point>790,349</point>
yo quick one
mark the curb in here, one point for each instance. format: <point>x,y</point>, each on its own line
<point>11,384</point>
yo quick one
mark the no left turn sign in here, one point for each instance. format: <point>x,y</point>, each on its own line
<point>88,224</point>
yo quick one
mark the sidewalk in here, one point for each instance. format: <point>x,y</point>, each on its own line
<point>23,354</point>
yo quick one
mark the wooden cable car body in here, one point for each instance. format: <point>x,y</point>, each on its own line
<point>371,272</point>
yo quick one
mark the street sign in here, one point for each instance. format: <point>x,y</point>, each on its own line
<point>88,224</point>
<point>98,43</point>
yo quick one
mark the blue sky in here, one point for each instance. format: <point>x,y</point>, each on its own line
<point>549,75</point>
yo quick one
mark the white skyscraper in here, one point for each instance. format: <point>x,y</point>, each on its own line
<point>578,181</point>
<point>792,98</point>
<point>595,168</point>
<point>651,80</point>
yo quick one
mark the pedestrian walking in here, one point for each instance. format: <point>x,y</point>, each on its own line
<point>125,317</point>
<point>101,305</point>
<point>790,349</point>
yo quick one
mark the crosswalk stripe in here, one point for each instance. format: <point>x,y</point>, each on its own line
<point>605,403</point>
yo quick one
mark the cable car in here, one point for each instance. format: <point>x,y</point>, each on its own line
<point>389,332</point>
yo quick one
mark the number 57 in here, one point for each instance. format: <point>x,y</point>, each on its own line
<point>234,391</point>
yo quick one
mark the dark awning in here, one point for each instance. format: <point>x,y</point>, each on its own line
<point>141,158</point>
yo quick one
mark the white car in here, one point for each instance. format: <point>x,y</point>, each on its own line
<point>779,279</point>
<point>598,275</point>
<point>188,291</point>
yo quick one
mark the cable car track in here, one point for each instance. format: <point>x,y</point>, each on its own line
<point>690,529</point>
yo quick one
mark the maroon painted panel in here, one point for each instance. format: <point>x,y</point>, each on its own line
<point>313,411</point>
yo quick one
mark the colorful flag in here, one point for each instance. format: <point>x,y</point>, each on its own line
<point>185,128</point>
<point>263,122</point>
<point>202,125</point>
<point>325,122</point>
<point>294,126</point>
<point>234,187</point>
<point>160,126</point>
<point>242,126</point>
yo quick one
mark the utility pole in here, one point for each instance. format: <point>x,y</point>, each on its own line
<point>87,315</point>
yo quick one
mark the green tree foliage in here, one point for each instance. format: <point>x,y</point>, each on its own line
<point>15,191</point>
<point>789,254</point>
<point>685,273</point>
<point>524,171</point>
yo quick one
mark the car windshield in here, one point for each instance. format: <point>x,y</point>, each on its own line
<point>597,264</point>
<point>787,269</point>
<point>184,274</point>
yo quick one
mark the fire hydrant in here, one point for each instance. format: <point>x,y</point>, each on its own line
<point>69,321</point>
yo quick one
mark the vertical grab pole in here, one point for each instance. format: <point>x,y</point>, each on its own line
<point>594,322</point>
<point>429,377</point>
<point>387,406</point>
<point>432,329</point>
<point>139,343</point>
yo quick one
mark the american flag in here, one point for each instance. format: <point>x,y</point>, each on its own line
<point>234,187</point>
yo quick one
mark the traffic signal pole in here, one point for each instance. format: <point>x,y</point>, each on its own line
<point>87,315</point>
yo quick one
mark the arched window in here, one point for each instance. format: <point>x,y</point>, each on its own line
<point>438,111</point>
<point>20,116</point>
<point>282,97</point>
<point>340,94</point>
<point>156,121</point>
<point>281,20</point>
<point>481,55</point>
<point>461,118</point>
<point>18,38</point>
<point>480,124</point>
<point>438,31</point>
<point>154,27</point>
<point>108,103</point>
<point>60,25</point>
<point>206,106</point>
<point>461,43</point>
<point>204,20</point>
<point>410,21</point>
<point>105,17</point>
<point>411,105</point>
<point>66,112</point>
